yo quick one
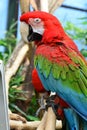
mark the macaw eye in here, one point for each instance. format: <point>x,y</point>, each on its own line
<point>37,20</point>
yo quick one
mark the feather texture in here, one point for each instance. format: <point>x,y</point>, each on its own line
<point>65,74</point>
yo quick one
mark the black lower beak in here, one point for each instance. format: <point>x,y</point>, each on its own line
<point>33,36</point>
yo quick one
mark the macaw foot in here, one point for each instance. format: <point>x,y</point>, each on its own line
<point>42,105</point>
<point>53,101</point>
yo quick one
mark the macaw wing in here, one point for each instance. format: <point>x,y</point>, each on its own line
<point>69,81</point>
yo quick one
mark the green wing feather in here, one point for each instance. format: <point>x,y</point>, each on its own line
<point>73,75</point>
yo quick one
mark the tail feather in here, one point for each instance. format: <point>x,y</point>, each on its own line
<point>83,124</point>
<point>74,121</point>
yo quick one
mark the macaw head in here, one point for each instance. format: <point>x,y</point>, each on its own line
<point>42,26</point>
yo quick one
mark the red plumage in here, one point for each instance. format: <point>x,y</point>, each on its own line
<point>54,31</point>
<point>36,82</point>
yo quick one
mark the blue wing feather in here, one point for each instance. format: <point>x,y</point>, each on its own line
<point>77,101</point>
<point>74,121</point>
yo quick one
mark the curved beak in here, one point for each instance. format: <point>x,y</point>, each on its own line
<point>33,36</point>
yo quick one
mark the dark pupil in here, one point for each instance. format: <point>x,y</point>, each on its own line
<point>37,20</point>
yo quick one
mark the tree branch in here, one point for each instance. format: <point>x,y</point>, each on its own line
<point>31,125</point>
<point>43,122</point>
<point>51,119</point>
<point>34,5</point>
<point>54,4</point>
<point>15,61</point>
<point>24,4</point>
<point>44,5</point>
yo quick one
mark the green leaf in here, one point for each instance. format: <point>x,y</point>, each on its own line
<point>32,118</point>
<point>18,109</point>
<point>28,117</point>
<point>13,25</point>
<point>3,43</point>
<point>1,56</point>
<point>84,52</point>
<point>78,33</point>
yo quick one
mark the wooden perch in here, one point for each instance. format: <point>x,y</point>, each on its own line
<point>19,125</point>
<point>43,122</point>
<point>31,125</point>
<point>34,5</point>
<point>44,5</point>
<point>51,119</point>
<point>15,61</point>
<point>54,4</point>
<point>24,4</point>
<point>16,117</point>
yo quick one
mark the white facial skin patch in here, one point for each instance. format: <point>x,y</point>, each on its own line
<point>37,25</point>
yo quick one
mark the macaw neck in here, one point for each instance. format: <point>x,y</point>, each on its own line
<point>56,49</point>
<point>54,35</point>
<point>52,39</point>
<point>53,53</point>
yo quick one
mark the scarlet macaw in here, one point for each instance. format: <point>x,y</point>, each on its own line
<point>60,65</point>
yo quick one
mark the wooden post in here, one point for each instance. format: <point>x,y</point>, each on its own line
<point>4,120</point>
<point>44,5</point>
<point>24,4</point>
<point>51,120</point>
<point>43,122</point>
